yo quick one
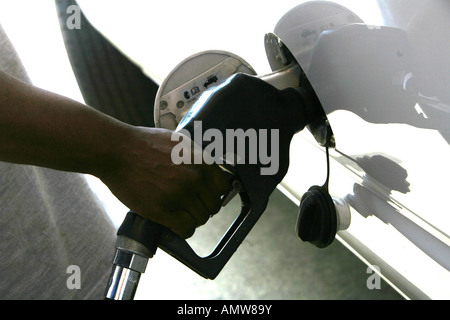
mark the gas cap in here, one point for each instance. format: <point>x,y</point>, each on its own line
<point>321,216</point>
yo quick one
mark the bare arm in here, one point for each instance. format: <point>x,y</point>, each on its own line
<point>45,129</point>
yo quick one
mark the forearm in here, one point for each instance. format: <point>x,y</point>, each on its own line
<point>42,128</point>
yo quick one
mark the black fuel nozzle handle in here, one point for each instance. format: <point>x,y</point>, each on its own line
<point>152,235</point>
<point>138,240</point>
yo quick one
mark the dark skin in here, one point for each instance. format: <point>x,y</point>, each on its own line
<point>45,129</point>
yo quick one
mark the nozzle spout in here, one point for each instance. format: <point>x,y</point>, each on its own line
<point>292,76</point>
<point>316,119</point>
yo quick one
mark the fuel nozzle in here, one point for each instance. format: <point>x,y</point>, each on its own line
<point>292,76</point>
<point>287,73</point>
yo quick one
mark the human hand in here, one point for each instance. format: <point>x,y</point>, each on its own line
<point>142,175</point>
